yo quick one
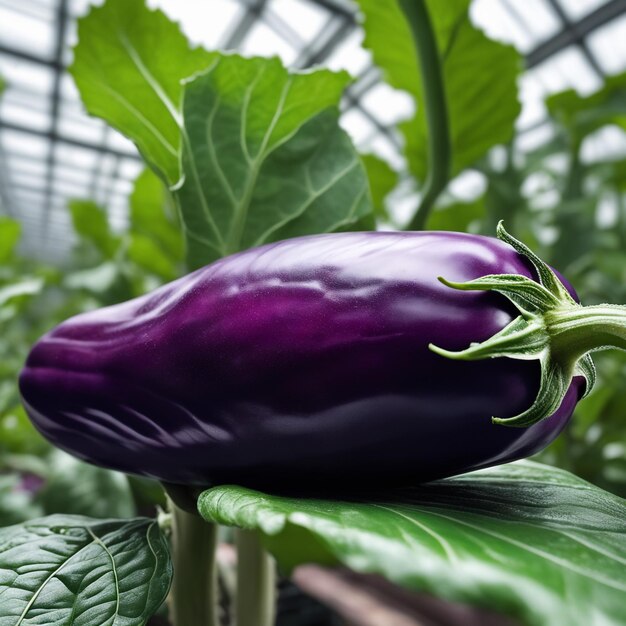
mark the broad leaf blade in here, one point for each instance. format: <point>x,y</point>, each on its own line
<point>78,571</point>
<point>264,157</point>
<point>525,539</point>
<point>479,78</point>
<point>128,66</point>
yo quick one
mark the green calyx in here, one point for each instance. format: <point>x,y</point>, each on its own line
<point>551,327</point>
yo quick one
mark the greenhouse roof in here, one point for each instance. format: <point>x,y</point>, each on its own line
<point>51,151</point>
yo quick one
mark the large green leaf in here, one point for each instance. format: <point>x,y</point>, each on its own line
<point>128,67</point>
<point>262,154</point>
<point>75,570</point>
<point>479,78</point>
<point>264,157</point>
<point>525,539</point>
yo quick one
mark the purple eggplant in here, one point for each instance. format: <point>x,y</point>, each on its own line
<point>309,362</point>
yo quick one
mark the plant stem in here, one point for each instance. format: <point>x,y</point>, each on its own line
<point>577,330</point>
<point>194,595</point>
<point>256,582</point>
<point>435,103</point>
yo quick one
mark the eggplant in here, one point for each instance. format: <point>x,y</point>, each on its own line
<point>312,362</point>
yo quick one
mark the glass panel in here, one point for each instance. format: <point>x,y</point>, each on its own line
<point>608,44</point>
<point>606,144</point>
<point>575,68</point>
<point>388,105</point>
<point>116,141</point>
<point>79,157</point>
<point>263,41</point>
<point>130,169</point>
<point>28,166</point>
<point>203,22</point>
<point>71,189</point>
<point>535,137</point>
<point>349,55</point>
<point>468,185</point>
<point>304,17</point>
<point>63,172</point>
<point>26,75</point>
<point>24,144</point>
<point>501,22</point>
<point>537,16</point>
<point>532,94</point>
<point>550,75</point>
<point>18,114</point>
<point>357,125</point>
<point>88,130</point>
<point>27,33</point>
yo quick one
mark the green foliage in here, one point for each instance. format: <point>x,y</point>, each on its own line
<point>459,216</point>
<point>243,151</point>
<point>128,67</point>
<point>583,115</point>
<point>76,488</point>
<point>262,154</point>
<point>10,232</point>
<point>79,571</point>
<point>91,224</point>
<point>17,434</point>
<point>155,238</point>
<point>149,253</point>
<point>15,504</point>
<point>382,180</point>
<point>591,255</point>
<point>26,286</point>
<point>266,158</point>
<point>479,78</point>
<point>525,539</point>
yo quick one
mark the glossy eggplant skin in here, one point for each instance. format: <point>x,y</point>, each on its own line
<point>303,362</point>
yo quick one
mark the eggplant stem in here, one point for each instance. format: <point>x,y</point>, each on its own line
<point>577,331</point>
<point>552,328</point>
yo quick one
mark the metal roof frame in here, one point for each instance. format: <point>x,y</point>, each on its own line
<point>341,22</point>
